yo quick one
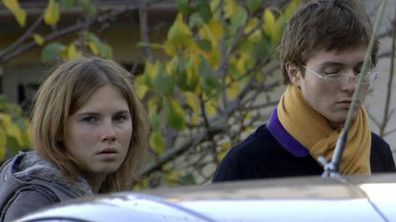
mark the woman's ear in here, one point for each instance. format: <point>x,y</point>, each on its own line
<point>294,73</point>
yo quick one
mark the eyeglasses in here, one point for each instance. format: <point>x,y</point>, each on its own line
<point>344,78</point>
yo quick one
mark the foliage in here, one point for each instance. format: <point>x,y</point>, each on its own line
<point>212,87</point>
<point>14,130</point>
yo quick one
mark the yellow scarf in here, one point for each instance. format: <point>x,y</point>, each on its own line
<point>314,132</point>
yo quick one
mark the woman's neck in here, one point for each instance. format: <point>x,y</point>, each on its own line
<point>95,182</point>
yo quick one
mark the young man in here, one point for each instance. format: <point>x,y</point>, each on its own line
<point>322,51</point>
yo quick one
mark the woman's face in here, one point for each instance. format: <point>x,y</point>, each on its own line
<point>99,133</point>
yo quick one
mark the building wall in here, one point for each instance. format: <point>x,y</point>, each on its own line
<point>375,101</point>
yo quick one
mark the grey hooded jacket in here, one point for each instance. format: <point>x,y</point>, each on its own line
<point>28,183</point>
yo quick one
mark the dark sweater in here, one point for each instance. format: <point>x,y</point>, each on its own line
<point>262,156</point>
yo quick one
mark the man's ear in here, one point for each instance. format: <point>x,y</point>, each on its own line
<point>294,73</point>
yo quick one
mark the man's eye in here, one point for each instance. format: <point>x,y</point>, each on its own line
<point>331,71</point>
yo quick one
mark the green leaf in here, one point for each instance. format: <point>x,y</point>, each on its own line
<point>285,16</point>
<point>52,13</point>
<point>14,7</point>
<point>263,47</point>
<point>163,82</point>
<point>184,7</point>
<point>99,48</point>
<point>155,120</point>
<point>87,7</point>
<point>187,180</point>
<point>209,80</point>
<point>253,5</point>
<point>157,142</point>
<point>181,76</point>
<point>52,51</point>
<point>204,10</point>
<point>194,20</point>
<point>271,27</point>
<point>67,4</point>
<point>205,45</point>
<point>174,114</point>
<point>192,74</point>
<point>238,20</point>
<point>12,143</point>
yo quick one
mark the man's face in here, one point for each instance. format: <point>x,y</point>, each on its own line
<point>331,99</point>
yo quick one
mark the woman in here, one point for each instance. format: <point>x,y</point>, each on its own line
<point>89,132</point>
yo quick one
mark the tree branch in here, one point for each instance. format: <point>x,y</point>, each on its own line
<point>171,154</point>
<point>55,35</point>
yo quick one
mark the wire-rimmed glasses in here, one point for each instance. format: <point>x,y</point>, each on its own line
<point>343,78</point>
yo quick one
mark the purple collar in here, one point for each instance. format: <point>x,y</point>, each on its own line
<point>284,138</point>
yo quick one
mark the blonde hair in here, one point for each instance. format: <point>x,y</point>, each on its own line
<point>65,91</point>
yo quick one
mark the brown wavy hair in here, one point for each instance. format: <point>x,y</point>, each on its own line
<point>66,90</point>
<point>325,24</point>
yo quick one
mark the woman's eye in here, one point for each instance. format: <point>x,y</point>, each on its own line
<point>90,119</point>
<point>120,117</point>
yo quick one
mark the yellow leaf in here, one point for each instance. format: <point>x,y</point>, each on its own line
<point>271,27</point>
<point>252,24</point>
<point>292,8</point>
<point>177,107</point>
<point>150,72</point>
<point>211,108</point>
<point>153,104</point>
<point>73,52</point>
<point>94,49</point>
<point>255,36</point>
<point>171,66</point>
<point>224,147</point>
<point>169,48</point>
<point>16,10</point>
<point>173,177</point>
<point>193,102</point>
<point>10,128</point>
<point>232,89</point>
<point>157,142</point>
<point>214,4</point>
<point>26,135</point>
<point>179,33</point>
<point>213,32</point>
<point>3,143</point>
<point>52,13</point>
<point>192,71</point>
<point>38,39</point>
<point>230,8</point>
<point>141,88</point>
<point>240,65</point>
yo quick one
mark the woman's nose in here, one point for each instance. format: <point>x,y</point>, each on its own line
<point>108,132</point>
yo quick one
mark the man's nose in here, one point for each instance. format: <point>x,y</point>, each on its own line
<point>350,82</point>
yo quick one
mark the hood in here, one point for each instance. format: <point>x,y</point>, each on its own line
<point>30,166</point>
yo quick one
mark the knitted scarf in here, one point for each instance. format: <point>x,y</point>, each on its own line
<point>314,132</point>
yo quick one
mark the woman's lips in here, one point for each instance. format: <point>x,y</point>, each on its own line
<point>108,153</point>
